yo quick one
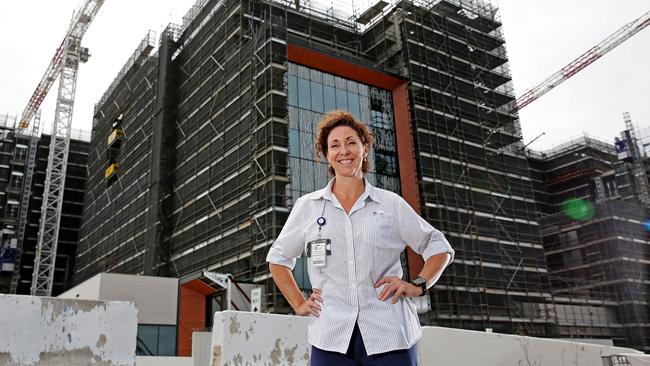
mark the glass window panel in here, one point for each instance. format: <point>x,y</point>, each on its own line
<point>294,142</point>
<point>328,79</point>
<point>303,72</point>
<point>315,121</point>
<point>304,98</point>
<point>340,83</point>
<point>293,89</point>
<point>363,90</point>
<point>167,340</point>
<point>341,99</point>
<point>147,340</point>
<point>353,87</point>
<point>364,107</point>
<point>315,75</point>
<point>294,118</point>
<point>353,105</point>
<point>303,123</point>
<point>329,98</point>
<point>317,97</point>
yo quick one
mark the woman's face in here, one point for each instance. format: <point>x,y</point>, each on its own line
<point>345,152</point>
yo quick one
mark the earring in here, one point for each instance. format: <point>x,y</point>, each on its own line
<point>365,158</point>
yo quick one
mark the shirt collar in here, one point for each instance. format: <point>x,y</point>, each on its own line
<point>326,193</point>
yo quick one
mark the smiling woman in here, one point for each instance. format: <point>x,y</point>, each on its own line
<point>353,235</point>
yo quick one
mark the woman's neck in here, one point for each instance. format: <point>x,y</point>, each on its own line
<point>348,187</point>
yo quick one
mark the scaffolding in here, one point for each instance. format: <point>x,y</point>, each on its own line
<point>597,266</point>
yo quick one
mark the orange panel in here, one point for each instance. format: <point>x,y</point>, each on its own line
<point>408,174</point>
<point>191,315</point>
<point>200,286</point>
<point>342,68</point>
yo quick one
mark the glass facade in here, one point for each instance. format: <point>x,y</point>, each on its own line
<point>311,94</point>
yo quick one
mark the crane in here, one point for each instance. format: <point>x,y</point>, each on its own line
<point>584,60</point>
<point>65,65</point>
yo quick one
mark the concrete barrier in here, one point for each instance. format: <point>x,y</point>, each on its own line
<point>201,346</point>
<point>39,331</point>
<point>162,361</point>
<point>448,346</point>
<point>242,338</point>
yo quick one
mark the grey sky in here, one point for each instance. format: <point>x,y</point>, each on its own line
<point>542,37</point>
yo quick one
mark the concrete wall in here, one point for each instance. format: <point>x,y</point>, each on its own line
<point>201,346</point>
<point>241,338</point>
<point>56,332</point>
<point>87,290</point>
<point>155,297</point>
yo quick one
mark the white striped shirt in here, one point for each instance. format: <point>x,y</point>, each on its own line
<point>365,246</point>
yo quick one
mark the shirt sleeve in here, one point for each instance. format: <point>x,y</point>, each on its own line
<point>290,243</point>
<point>418,234</point>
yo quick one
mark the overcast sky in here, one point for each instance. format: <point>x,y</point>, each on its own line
<point>542,37</point>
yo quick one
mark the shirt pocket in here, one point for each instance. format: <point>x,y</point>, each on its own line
<point>385,248</point>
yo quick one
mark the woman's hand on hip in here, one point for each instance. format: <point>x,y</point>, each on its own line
<point>395,288</point>
<point>311,306</point>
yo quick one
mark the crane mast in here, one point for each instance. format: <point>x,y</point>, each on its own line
<point>593,54</point>
<point>65,64</point>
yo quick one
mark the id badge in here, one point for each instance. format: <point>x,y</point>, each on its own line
<point>318,250</point>
<point>318,254</point>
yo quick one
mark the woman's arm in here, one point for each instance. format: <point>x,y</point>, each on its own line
<point>287,284</point>
<point>396,287</point>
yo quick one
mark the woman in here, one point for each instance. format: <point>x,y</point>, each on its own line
<point>353,233</point>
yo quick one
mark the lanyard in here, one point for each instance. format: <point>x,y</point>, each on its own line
<point>320,221</point>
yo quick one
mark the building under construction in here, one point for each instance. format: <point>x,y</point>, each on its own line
<point>594,210</point>
<point>23,166</point>
<point>200,148</point>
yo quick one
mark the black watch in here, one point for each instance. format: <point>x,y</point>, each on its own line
<point>421,283</point>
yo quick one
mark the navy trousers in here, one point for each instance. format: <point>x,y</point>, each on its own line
<point>356,355</point>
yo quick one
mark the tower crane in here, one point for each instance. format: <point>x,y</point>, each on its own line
<point>584,60</point>
<point>64,64</point>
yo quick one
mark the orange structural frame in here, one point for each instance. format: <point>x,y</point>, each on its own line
<point>404,132</point>
<point>191,313</point>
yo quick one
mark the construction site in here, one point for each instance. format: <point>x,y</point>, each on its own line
<point>204,141</point>
<point>23,166</point>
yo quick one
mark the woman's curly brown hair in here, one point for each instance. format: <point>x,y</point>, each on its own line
<point>337,118</point>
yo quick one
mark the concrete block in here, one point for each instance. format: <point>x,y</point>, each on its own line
<point>451,347</point>
<point>244,338</point>
<point>162,361</point>
<point>48,331</point>
<point>201,346</point>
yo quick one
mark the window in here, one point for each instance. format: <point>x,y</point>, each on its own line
<point>329,98</point>
<point>341,99</point>
<point>293,88</point>
<point>304,95</point>
<point>317,97</point>
<point>156,340</point>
